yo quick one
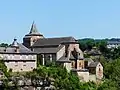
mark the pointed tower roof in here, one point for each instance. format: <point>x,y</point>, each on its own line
<point>34,31</point>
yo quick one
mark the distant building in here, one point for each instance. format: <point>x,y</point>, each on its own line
<point>113,44</point>
<point>94,53</point>
<point>62,50</point>
<point>18,58</point>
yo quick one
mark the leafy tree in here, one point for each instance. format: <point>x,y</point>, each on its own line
<point>108,85</point>
<point>86,43</point>
<point>3,68</point>
<point>112,72</point>
<point>4,45</point>
<point>89,86</point>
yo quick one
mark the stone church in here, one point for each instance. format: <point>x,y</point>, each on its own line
<point>63,50</point>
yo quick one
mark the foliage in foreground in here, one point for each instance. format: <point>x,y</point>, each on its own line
<point>69,81</point>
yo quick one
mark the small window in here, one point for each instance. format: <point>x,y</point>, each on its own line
<point>31,67</point>
<point>4,50</point>
<point>73,64</point>
<point>80,64</point>
<point>24,65</point>
<point>15,50</point>
<point>31,49</point>
<point>21,69</point>
<point>1,73</point>
<point>99,69</point>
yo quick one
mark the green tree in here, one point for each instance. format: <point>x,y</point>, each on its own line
<point>108,85</point>
<point>4,45</point>
<point>3,68</point>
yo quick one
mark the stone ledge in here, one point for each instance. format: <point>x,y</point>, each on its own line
<point>80,70</point>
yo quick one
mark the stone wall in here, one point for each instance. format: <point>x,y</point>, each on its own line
<point>83,75</point>
<point>60,53</point>
<point>33,39</point>
<point>99,71</point>
<point>18,57</point>
<point>75,47</point>
<point>21,66</point>
<point>92,77</point>
<point>18,62</point>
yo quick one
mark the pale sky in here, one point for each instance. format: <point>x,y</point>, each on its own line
<point>57,18</point>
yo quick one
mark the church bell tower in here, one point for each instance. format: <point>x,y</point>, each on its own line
<point>32,37</point>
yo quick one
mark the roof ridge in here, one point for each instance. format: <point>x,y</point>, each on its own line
<point>24,47</point>
<point>58,37</point>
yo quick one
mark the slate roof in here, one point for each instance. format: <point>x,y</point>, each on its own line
<point>93,52</point>
<point>13,46</point>
<point>48,49</point>
<point>66,59</point>
<point>88,59</point>
<point>53,41</point>
<point>23,49</point>
<point>93,64</point>
<point>63,59</point>
<point>33,31</point>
